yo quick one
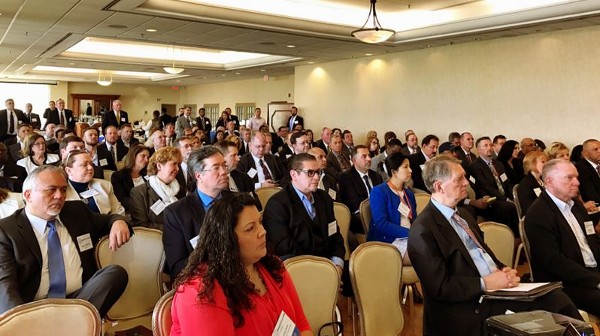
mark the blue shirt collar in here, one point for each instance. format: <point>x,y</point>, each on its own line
<point>205,199</point>
<point>300,194</point>
<point>447,212</point>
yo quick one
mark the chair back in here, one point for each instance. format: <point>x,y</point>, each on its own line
<point>422,200</point>
<point>265,193</point>
<point>365,214</point>
<point>161,316</point>
<point>143,257</point>
<point>107,174</point>
<point>317,283</point>
<point>342,216</point>
<point>67,317</point>
<point>373,266</point>
<point>500,240</point>
<point>517,202</point>
<point>526,246</point>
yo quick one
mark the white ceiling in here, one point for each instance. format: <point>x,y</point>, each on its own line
<point>38,32</point>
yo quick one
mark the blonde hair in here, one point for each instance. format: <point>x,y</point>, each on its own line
<point>530,159</point>
<point>554,148</point>
<point>163,156</point>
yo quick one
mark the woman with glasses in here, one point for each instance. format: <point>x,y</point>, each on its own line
<point>132,174</point>
<point>236,286</point>
<point>96,193</point>
<point>35,153</point>
<point>160,190</point>
<point>373,146</point>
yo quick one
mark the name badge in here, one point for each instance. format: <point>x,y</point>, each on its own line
<point>103,162</point>
<point>123,120</point>
<point>206,122</point>
<point>422,166</point>
<point>403,209</point>
<point>472,179</point>
<point>85,242</point>
<point>89,193</point>
<point>332,194</point>
<point>589,228</point>
<point>147,177</point>
<point>34,120</point>
<point>295,121</point>
<point>158,207</point>
<point>537,191</point>
<point>503,177</point>
<point>287,156</point>
<point>19,122</point>
<point>285,326</point>
<point>71,119</point>
<point>252,172</point>
<point>194,241</point>
<point>332,228</point>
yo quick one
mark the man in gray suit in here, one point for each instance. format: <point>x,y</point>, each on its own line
<point>183,122</point>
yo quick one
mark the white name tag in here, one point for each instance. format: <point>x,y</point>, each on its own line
<point>332,194</point>
<point>403,209</point>
<point>252,172</point>
<point>147,177</point>
<point>295,121</point>
<point>332,228</point>
<point>206,122</point>
<point>19,122</point>
<point>84,242</point>
<point>537,191</point>
<point>158,207</point>
<point>194,241</point>
<point>103,162</point>
<point>34,120</point>
<point>71,119</point>
<point>89,193</point>
<point>123,120</point>
<point>422,166</point>
<point>285,326</point>
<point>287,156</point>
<point>503,177</point>
<point>472,179</point>
<point>589,228</point>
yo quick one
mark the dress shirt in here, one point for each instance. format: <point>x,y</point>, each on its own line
<point>184,171</point>
<point>565,209</point>
<point>484,263</point>
<point>260,173</point>
<point>362,178</point>
<point>595,166</point>
<point>71,258</point>
<point>207,201</point>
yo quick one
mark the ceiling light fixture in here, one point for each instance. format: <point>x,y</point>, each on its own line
<point>377,34</point>
<point>173,70</point>
<point>104,78</point>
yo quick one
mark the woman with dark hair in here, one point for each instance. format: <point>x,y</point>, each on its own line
<point>232,285</point>
<point>576,153</point>
<point>132,174</point>
<point>387,136</point>
<point>310,137</point>
<point>393,205</point>
<point>35,153</point>
<point>513,167</point>
<point>336,131</point>
<point>219,136</point>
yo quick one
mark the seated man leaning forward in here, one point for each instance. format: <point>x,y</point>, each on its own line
<point>47,248</point>
<point>455,265</point>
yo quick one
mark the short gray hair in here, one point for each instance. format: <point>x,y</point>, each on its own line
<point>31,179</point>
<point>197,157</point>
<point>551,166</point>
<point>438,169</point>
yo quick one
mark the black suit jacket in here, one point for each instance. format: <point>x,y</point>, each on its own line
<point>33,119</point>
<point>485,183</point>
<point>122,149</point>
<point>319,143</point>
<point>352,187</point>
<point>111,119</point>
<point>165,119</point>
<point>277,143</point>
<point>15,151</point>
<point>21,258</point>
<point>12,170</point>
<point>4,124</point>
<point>243,182</point>
<point>122,184</point>
<point>291,231</point>
<point>298,121</point>
<point>53,117</point>
<point>416,161</point>
<point>206,126</point>
<point>466,160</point>
<point>450,280</point>
<point>590,181</point>
<point>103,154</point>
<point>247,162</point>
<point>555,253</point>
<point>527,192</point>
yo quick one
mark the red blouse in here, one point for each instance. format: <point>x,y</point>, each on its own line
<point>193,318</point>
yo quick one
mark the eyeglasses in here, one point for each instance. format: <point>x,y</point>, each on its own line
<point>310,172</point>
<point>217,168</point>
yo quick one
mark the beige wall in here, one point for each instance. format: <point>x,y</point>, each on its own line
<point>541,85</point>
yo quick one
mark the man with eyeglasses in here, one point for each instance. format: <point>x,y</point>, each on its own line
<point>264,170</point>
<point>184,217</point>
<point>299,219</point>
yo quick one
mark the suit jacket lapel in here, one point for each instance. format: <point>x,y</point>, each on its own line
<point>28,236</point>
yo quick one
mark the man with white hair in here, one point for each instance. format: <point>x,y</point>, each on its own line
<point>115,117</point>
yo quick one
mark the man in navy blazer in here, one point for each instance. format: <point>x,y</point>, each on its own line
<point>294,119</point>
<point>455,266</point>
<point>60,113</point>
<point>588,168</point>
<point>184,217</point>
<point>250,164</point>
<point>26,240</point>
<point>115,116</point>
<point>562,237</point>
<point>16,117</point>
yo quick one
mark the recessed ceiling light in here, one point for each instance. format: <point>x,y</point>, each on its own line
<point>151,30</point>
<point>367,54</point>
<point>291,46</point>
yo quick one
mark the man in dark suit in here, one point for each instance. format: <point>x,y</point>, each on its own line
<point>264,170</point>
<point>9,169</point>
<point>246,138</point>
<point>15,145</point>
<point>323,143</point>
<point>203,122</point>
<point>10,118</point>
<point>164,118</point>
<point>589,171</point>
<point>60,115</point>
<point>60,236</point>
<point>109,149</point>
<point>356,184</point>
<point>412,145</point>
<point>184,217</point>
<point>32,118</point>
<point>337,161</point>
<point>294,119</point>
<point>327,182</point>
<point>454,264</point>
<point>238,181</point>
<point>428,151</point>
<point>463,152</point>
<point>233,117</point>
<point>488,179</point>
<point>115,116</point>
<point>562,237</point>
<point>279,139</point>
<point>299,219</point>
<point>50,110</point>
<point>126,140</point>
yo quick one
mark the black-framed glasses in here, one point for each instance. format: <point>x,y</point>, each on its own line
<point>310,172</point>
<point>217,168</point>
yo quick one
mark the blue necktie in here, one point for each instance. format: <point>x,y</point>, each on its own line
<point>56,264</point>
<point>310,208</point>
